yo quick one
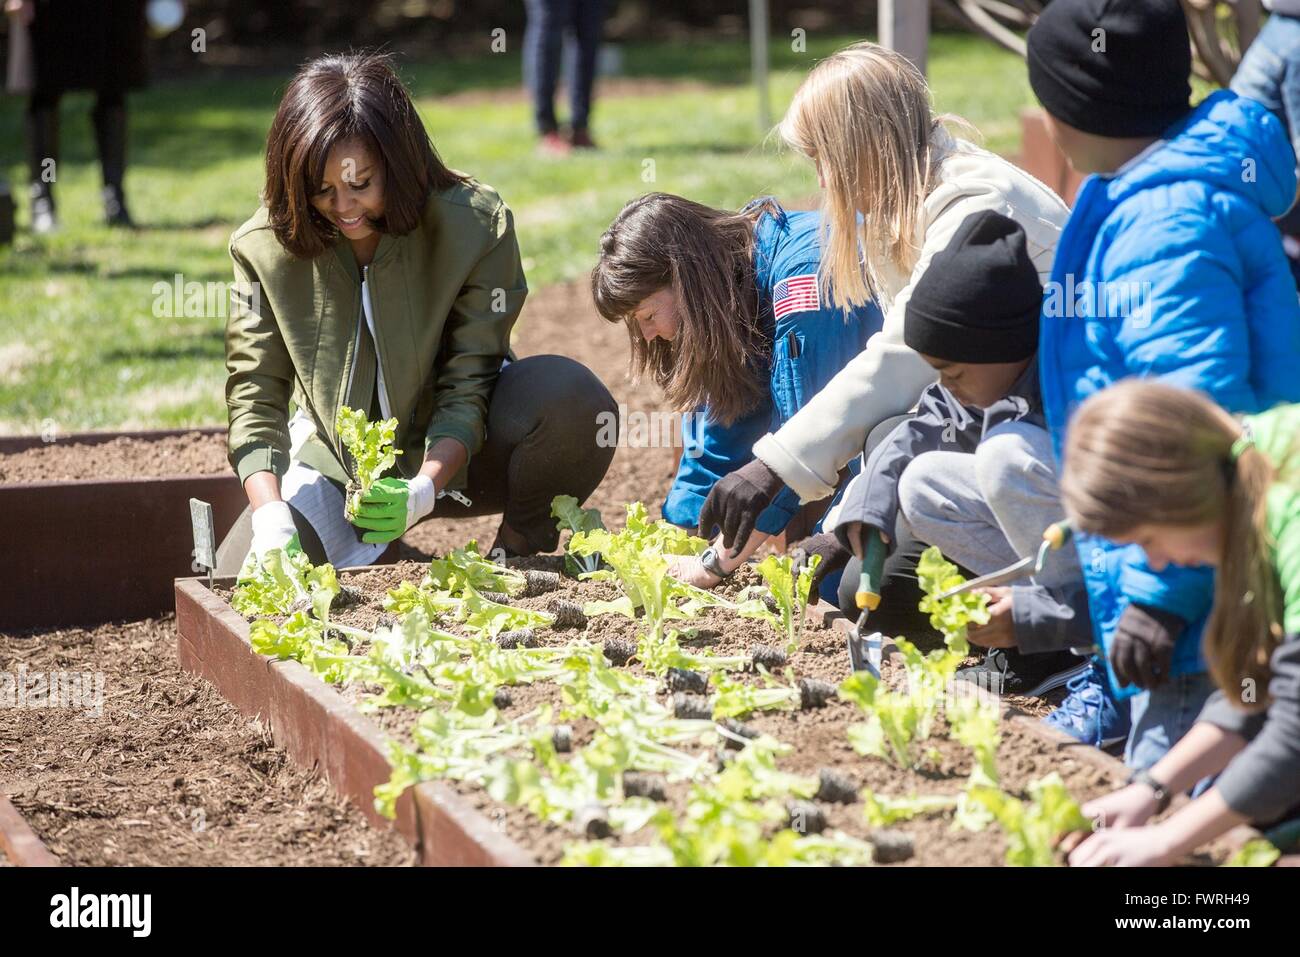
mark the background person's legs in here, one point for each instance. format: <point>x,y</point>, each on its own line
<point>109,118</point>
<point>42,126</point>
<point>543,47</point>
<point>588,24</point>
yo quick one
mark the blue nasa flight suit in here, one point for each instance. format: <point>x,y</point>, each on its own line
<point>811,341</point>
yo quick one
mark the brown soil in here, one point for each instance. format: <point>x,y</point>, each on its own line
<point>194,453</point>
<point>818,736</point>
<point>170,773</point>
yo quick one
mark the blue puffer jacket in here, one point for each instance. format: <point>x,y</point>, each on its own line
<point>1173,269</point>
<point>812,340</point>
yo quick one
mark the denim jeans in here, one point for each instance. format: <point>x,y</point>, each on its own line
<point>1162,715</point>
<point>548,23</point>
<point>1270,74</point>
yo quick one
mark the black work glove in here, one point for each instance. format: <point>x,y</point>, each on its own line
<point>1143,645</point>
<point>735,502</point>
<point>834,556</point>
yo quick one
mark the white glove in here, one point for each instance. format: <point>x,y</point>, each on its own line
<point>420,497</point>
<point>272,528</point>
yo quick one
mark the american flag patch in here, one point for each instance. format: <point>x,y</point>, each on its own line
<point>795,294</point>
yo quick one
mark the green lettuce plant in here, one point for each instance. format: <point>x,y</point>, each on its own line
<point>370,444</point>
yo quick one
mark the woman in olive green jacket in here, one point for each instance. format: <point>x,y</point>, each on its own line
<point>375,277</point>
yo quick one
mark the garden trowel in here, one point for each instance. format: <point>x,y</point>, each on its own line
<point>1053,538</point>
<point>865,649</point>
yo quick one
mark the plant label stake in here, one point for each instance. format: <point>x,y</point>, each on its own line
<point>205,539</point>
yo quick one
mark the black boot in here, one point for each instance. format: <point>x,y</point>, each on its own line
<point>42,159</point>
<point>110,136</point>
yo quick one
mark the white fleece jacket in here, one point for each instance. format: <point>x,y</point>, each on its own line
<point>887,377</point>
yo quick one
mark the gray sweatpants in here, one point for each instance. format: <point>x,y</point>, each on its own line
<point>988,508</point>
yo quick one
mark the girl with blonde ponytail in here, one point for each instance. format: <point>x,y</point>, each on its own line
<point>1168,470</point>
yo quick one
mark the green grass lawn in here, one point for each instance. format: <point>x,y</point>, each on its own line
<point>81,346</point>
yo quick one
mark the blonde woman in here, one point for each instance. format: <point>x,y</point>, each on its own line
<point>896,185</point>
<point>1166,469</point>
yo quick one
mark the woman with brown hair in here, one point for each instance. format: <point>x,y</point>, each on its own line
<point>377,278</point>
<point>725,312</point>
<point>1168,470</point>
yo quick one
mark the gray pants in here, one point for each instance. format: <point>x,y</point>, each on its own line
<point>988,508</point>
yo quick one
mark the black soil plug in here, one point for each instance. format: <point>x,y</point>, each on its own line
<point>771,604</point>
<point>562,738</point>
<point>835,788</point>
<point>500,597</point>
<point>592,822</point>
<point>814,693</point>
<point>348,596</point>
<point>568,614</point>
<point>740,730</point>
<point>889,846</point>
<point>538,582</point>
<point>769,657</point>
<point>806,817</point>
<point>502,698</point>
<point>682,679</point>
<point>619,651</point>
<point>641,784</point>
<point>692,706</point>
<point>518,638</point>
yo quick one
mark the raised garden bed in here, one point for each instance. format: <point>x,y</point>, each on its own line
<point>96,525</point>
<point>165,773</point>
<point>457,821</point>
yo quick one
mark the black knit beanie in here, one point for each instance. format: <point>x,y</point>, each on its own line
<point>1115,68</point>
<point>980,298</point>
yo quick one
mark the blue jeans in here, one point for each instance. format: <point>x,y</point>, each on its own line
<point>1270,74</point>
<point>548,23</point>
<point>1162,716</point>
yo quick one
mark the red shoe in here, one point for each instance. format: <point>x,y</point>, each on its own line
<point>553,144</point>
<point>581,139</point>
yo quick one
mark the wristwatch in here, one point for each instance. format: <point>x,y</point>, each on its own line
<point>1163,797</point>
<point>709,559</point>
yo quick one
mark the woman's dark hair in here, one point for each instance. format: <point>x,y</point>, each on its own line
<point>330,100</point>
<point>706,256</point>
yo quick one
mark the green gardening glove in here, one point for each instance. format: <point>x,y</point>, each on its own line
<point>392,505</point>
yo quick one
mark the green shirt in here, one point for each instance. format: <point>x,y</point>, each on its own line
<point>1277,435</point>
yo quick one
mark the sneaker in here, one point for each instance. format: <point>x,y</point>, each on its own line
<point>115,211</point>
<point>553,144</point>
<point>581,139</point>
<point>44,218</point>
<point>1007,671</point>
<point>1089,712</point>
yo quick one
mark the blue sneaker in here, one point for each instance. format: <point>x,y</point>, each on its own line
<point>1089,712</point>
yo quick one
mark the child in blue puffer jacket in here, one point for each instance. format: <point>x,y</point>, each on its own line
<point>1170,266</point>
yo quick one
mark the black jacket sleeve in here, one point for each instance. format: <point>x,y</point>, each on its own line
<point>1263,781</point>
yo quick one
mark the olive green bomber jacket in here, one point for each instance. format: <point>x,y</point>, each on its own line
<point>444,296</point>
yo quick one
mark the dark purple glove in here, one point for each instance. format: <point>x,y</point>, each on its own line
<point>735,501</point>
<point>1143,645</point>
<point>834,556</point>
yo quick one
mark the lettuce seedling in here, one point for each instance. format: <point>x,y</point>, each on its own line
<point>949,616</point>
<point>370,444</point>
<point>574,518</point>
<point>1034,829</point>
<point>790,592</point>
<point>881,811</point>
